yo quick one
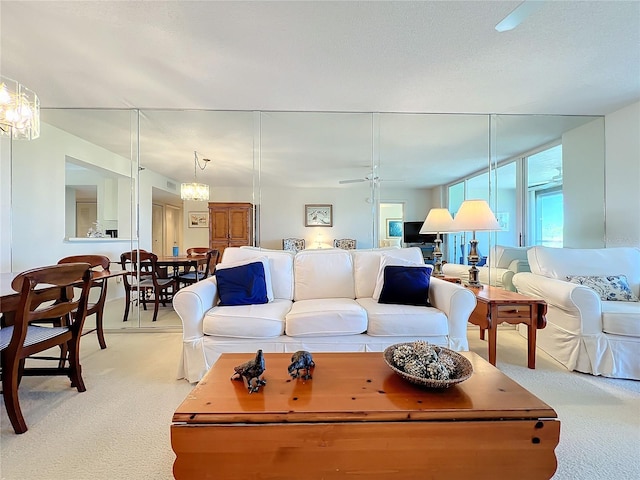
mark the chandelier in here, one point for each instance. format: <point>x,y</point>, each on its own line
<point>196,191</point>
<point>19,110</point>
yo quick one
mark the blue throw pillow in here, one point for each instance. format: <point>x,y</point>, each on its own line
<point>242,285</point>
<point>406,285</point>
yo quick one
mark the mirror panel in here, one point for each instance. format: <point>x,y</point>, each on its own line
<point>315,159</point>
<point>362,164</point>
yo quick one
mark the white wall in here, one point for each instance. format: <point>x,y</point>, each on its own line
<point>583,157</point>
<point>5,204</point>
<point>622,177</point>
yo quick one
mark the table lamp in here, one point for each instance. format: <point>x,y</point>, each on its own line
<point>472,216</point>
<point>438,221</point>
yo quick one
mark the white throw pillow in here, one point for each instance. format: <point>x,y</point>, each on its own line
<point>267,271</point>
<point>386,260</point>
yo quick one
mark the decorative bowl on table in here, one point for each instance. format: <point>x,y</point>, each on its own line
<point>427,365</point>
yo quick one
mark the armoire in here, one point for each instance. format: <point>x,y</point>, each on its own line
<point>230,225</point>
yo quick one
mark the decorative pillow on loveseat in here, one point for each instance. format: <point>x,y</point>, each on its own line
<point>390,260</point>
<point>609,287</point>
<point>406,285</point>
<point>242,285</point>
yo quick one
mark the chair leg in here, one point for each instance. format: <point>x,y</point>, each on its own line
<point>75,369</point>
<point>127,302</point>
<point>143,292</point>
<point>156,304</point>
<point>99,330</point>
<point>10,394</point>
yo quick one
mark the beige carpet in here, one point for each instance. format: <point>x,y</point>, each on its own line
<point>119,427</point>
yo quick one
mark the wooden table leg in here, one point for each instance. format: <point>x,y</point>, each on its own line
<point>493,334</point>
<point>531,339</point>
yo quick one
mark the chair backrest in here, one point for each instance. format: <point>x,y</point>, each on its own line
<point>94,261</point>
<point>34,303</point>
<point>139,263</point>
<point>345,243</point>
<point>212,258</point>
<point>293,244</point>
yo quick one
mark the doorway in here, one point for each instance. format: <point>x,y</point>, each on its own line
<point>390,222</point>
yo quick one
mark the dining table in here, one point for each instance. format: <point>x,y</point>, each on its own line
<point>180,261</point>
<point>9,298</point>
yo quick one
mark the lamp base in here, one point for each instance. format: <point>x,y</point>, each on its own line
<point>437,256</point>
<point>473,259</point>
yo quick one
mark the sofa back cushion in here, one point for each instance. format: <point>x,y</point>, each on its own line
<point>366,265</point>
<point>502,256</point>
<point>280,265</point>
<point>323,274</point>
<point>562,262</point>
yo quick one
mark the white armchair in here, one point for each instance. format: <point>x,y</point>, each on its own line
<point>504,262</point>
<point>583,332</point>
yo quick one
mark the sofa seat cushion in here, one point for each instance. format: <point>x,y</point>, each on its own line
<point>403,320</point>
<point>621,318</point>
<point>247,321</point>
<point>329,317</point>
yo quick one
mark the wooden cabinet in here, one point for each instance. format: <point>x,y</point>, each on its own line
<point>230,225</point>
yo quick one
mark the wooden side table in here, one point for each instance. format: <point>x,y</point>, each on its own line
<point>496,305</point>
<point>450,279</point>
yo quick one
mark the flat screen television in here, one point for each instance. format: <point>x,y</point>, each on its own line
<point>411,233</point>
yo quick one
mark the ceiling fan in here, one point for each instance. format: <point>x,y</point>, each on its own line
<point>518,15</point>
<point>555,180</point>
<point>370,177</point>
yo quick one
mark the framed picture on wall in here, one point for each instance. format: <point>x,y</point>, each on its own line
<point>198,219</point>
<point>318,215</point>
<point>503,220</point>
<point>394,228</point>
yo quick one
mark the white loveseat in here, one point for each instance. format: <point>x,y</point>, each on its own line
<point>583,332</point>
<point>322,301</point>
<point>503,263</point>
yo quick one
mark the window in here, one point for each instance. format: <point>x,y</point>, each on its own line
<point>545,210</point>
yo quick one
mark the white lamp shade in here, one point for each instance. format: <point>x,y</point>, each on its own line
<point>438,220</point>
<point>475,215</point>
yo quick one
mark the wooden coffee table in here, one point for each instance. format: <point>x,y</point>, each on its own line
<point>496,305</point>
<point>358,419</point>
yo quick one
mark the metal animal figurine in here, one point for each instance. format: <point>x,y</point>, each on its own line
<point>301,360</point>
<point>251,370</point>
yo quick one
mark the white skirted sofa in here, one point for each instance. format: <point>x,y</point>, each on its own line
<point>320,301</point>
<point>503,263</point>
<point>585,332</point>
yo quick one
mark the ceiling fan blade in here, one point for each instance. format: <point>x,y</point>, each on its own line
<point>517,16</point>
<point>357,180</point>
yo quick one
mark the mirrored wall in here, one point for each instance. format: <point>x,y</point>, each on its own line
<point>108,181</point>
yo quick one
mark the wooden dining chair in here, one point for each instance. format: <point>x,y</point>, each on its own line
<point>98,289</point>
<point>141,276</point>
<point>45,293</point>
<point>193,275</point>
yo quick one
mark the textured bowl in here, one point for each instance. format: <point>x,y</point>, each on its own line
<point>463,369</point>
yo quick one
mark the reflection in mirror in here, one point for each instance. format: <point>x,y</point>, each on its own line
<point>94,200</point>
<point>547,185</point>
<point>321,159</point>
<point>420,154</point>
<point>85,157</point>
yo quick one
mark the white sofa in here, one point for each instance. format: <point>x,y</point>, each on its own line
<point>322,301</point>
<point>583,332</point>
<point>503,263</point>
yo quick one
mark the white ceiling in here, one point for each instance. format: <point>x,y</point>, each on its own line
<point>568,57</point>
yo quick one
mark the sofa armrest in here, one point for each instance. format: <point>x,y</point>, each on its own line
<point>457,303</point>
<point>576,300</point>
<point>517,266</point>
<point>191,303</point>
